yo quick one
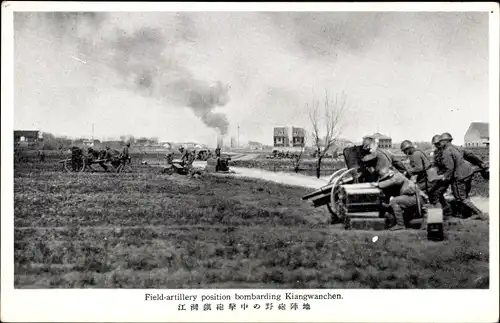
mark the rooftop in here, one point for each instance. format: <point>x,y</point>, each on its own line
<point>298,132</point>
<point>482,127</point>
<point>26,133</point>
<point>378,135</point>
<point>280,131</point>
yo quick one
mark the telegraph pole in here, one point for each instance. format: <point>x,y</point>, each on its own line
<point>238,136</point>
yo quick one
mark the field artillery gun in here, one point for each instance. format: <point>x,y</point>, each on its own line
<point>352,200</point>
<point>178,166</point>
<point>80,162</point>
<point>349,196</point>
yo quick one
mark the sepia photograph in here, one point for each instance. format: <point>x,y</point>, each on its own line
<point>252,152</point>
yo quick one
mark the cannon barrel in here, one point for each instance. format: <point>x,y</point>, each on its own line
<point>322,191</point>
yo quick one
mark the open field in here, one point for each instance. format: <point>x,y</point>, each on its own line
<point>143,230</point>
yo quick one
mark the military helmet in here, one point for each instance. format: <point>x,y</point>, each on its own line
<point>385,173</point>
<point>436,139</point>
<point>367,141</point>
<point>128,144</point>
<point>406,144</point>
<point>446,136</point>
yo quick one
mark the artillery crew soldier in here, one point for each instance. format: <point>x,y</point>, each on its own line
<point>458,173</point>
<point>377,159</point>
<point>419,165</point>
<point>404,198</point>
<point>184,155</point>
<point>124,156</point>
<point>437,187</point>
<point>125,152</point>
<point>41,155</point>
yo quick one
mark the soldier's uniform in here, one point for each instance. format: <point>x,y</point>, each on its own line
<point>419,165</point>
<point>404,197</point>
<point>125,153</point>
<point>184,155</point>
<point>380,159</point>
<point>476,161</point>
<point>124,156</point>
<point>458,173</point>
<point>437,189</point>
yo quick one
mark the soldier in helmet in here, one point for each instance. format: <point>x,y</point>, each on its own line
<point>404,199</point>
<point>458,173</point>
<point>379,158</point>
<point>469,156</point>
<point>184,154</point>
<point>419,164</point>
<point>124,156</point>
<point>437,187</point>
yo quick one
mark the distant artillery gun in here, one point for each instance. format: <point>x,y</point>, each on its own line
<point>178,166</point>
<point>80,162</point>
<point>219,164</point>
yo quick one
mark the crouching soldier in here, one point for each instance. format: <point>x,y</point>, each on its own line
<point>404,198</point>
<point>458,173</point>
<point>383,158</point>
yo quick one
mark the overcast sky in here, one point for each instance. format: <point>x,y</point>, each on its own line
<point>185,76</point>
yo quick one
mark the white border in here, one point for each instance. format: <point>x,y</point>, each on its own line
<point>128,305</point>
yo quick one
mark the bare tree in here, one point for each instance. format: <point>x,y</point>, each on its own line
<point>327,120</point>
<point>298,157</point>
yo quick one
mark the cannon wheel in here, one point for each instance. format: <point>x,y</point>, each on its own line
<point>334,215</point>
<point>335,179</point>
<point>69,167</point>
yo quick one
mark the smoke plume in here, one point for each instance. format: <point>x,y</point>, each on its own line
<point>148,61</point>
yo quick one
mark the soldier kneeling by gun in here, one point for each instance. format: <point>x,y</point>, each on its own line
<point>405,201</point>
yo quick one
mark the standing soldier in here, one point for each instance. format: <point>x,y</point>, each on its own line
<point>469,156</point>
<point>458,172</point>
<point>184,155</point>
<point>217,157</point>
<point>419,165</point>
<point>437,187</point>
<point>124,156</point>
<point>41,154</point>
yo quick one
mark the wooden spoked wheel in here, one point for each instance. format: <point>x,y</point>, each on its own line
<point>340,178</point>
<point>75,166</point>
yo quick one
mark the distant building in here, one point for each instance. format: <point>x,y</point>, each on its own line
<point>281,137</point>
<point>382,140</point>
<point>298,137</point>
<point>88,142</point>
<point>255,145</point>
<point>27,136</point>
<point>477,135</point>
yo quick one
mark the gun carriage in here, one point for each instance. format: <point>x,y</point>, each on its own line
<point>80,162</point>
<point>349,196</point>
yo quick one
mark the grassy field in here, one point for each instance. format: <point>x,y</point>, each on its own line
<point>144,230</point>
